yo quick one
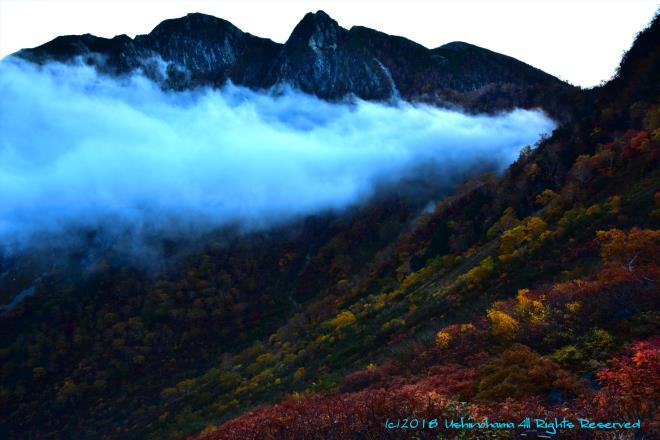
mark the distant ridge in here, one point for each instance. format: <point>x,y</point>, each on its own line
<point>320,58</point>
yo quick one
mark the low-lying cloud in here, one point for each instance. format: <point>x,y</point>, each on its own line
<point>78,149</point>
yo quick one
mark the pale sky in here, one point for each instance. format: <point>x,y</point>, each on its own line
<point>580,41</point>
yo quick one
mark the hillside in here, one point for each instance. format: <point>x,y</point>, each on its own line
<point>531,293</point>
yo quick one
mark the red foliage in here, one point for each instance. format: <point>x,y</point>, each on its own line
<point>631,385</point>
<point>635,142</point>
<point>451,380</point>
<point>360,380</point>
<point>521,408</point>
<point>637,139</point>
<point>342,416</point>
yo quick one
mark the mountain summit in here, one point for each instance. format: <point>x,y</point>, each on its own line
<point>321,58</point>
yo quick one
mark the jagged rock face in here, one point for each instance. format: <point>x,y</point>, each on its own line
<point>201,43</point>
<point>319,58</point>
<point>211,49</point>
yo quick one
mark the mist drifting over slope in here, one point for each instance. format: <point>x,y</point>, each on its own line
<point>78,149</point>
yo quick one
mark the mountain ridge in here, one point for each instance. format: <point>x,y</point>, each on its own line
<point>320,58</point>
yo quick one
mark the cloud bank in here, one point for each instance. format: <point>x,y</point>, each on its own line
<point>82,150</point>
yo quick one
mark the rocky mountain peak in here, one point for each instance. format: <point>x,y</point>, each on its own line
<point>457,46</point>
<point>195,24</point>
<point>317,30</point>
<point>196,41</point>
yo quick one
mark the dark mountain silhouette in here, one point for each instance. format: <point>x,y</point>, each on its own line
<point>321,58</point>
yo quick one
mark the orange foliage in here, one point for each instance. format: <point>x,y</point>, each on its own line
<point>631,385</point>
<point>519,372</point>
<point>637,247</point>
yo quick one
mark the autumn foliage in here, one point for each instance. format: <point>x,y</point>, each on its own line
<point>631,384</point>
<point>356,415</point>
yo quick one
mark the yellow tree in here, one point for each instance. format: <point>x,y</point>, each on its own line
<point>502,326</point>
